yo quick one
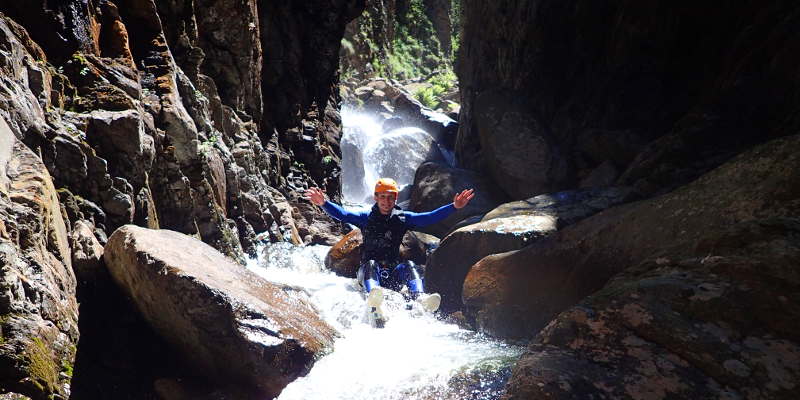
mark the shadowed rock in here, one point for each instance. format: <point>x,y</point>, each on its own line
<point>625,82</point>
<point>532,285</point>
<point>229,323</point>
<point>436,184</point>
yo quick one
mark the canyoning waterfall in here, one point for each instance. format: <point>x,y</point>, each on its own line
<point>371,150</point>
<point>416,355</point>
<point>412,357</point>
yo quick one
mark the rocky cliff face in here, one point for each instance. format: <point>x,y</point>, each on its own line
<point>648,94</point>
<point>204,117</point>
<point>686,293</point>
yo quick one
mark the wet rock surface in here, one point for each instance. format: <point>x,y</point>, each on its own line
<point>230,324</point>
<point>344,257</point>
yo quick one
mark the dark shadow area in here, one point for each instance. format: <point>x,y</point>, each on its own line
<point>118,356</point>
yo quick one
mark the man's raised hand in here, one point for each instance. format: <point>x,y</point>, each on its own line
<point>462,199</point>
<point>315,196</point>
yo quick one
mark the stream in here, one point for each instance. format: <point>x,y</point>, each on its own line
<point>416,355</point>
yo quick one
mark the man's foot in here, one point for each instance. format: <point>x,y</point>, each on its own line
<point>375,297</point>
<point>430,301</point>
<point>374,301</point>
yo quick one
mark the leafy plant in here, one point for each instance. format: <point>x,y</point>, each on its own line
<point>440,84</point>
<point>426,97</point>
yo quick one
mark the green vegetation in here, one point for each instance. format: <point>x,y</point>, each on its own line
<point>348,46</point>
<point>41,367</point>
<point>79,58</point>
<point>440,84</point>
<point>206,145</point>
<point>67,368</point>
<point>415,50</point>
<point>199,95</point>
<point>455,23</point>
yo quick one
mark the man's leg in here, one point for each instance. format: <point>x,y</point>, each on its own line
<point>409,273</point>
<point>369,275</point>
<point>412,275</point>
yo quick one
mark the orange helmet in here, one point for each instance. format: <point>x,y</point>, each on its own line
<point>386,185</point>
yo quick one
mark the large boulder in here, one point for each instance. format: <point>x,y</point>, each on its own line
<point>38,308</point>
<point>718,324</point>
<point>229,323</point>
<point>344,257</point>
<point>532,285</point>
<point>510,226</point>
<point>435,185</point>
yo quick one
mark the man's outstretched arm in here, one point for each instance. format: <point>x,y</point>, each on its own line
<point>427,218</point>
<point>317,197</point>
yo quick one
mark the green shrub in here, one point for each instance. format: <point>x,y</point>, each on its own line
<point>427,98</point>
<point>440,84</point>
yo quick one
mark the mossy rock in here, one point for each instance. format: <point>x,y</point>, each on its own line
<point>41,366</point>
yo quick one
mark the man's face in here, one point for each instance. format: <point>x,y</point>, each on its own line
<point>386,202</point>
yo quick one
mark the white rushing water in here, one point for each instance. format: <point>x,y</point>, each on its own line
<point>415,356</point>
<point>369,153</point>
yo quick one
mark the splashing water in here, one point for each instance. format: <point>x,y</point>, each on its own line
<point>412,357</point>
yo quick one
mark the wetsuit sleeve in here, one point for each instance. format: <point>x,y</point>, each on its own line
<point>430,217</point>
<point>336,211</point>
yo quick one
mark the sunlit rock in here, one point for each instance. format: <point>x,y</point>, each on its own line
<point>87,252</point>
<point>452,260</point>
<point>228,322</point>
<point>38,308</point>
<point>510,226</point>
<point>398,153</point>
<point>345,256</point>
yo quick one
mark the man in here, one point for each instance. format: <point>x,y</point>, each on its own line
<point>383,228</point>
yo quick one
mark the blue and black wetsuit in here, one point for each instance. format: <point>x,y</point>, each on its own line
<point>383,234</point>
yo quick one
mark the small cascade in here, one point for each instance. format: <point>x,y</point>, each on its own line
<point>370,151</point>
<point>413,357</point>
